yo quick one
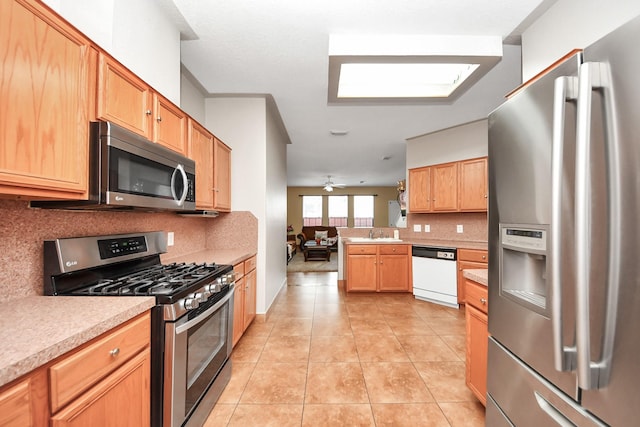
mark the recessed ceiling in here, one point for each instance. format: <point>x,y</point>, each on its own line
<point>281,48</point>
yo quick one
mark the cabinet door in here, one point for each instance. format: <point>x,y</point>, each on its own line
<point>45,109</point>
<point>250,298</point>
<point>465,265</point>
<point>477,347</point>
<point>393,273</point>
<point>444,187</point>
<point>238,310</point>
<point>169,125</point>
<point>123,98</point>
<point>362,272</point>
<point>25,403</point>
<point>222,176</point>
<point>201,151</point>
<point>121,399</point>
<point>473,185</point>
<point>420,190</point>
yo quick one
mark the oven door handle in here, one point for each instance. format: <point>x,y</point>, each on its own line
<point>205,314</point>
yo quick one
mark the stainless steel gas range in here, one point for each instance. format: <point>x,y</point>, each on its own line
<point>191,324</point>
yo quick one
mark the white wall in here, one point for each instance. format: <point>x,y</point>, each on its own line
<point>137,33</point>
<point>571,24</point>
<point>258,179</point>
<point>457,143</point>
<point>191,99</point>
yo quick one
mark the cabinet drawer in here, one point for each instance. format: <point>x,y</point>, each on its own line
<point>250,264</point>
<point>476,255</point>
<point>475,294</point>
<point>362,249</point>
<point>76,373</point>
<point>393,249</point>
<point>238,269</point>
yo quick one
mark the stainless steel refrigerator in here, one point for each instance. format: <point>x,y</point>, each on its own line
<point>564,243</point>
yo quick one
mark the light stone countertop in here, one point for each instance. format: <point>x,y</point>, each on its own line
<point>458,244</point>
<point>34,330</point>
<point>477,275</point>
<point>219,256</point>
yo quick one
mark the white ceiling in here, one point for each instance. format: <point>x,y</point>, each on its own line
<point>280,47</point>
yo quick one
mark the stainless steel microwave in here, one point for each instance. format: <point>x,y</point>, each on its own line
<point>127,171</point>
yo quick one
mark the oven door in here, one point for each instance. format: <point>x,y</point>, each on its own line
<point>197,347</point>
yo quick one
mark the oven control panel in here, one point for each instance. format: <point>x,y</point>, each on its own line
<point>111,248</point>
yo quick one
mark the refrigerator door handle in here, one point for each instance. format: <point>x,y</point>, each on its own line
<point>595,374</point>
<point>551,410</point>
<point>565,90</point>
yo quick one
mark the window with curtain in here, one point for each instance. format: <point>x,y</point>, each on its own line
<point>363,211</point>
<point>311,210</point>
<point>338,210</point>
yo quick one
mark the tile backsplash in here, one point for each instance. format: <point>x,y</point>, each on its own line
<point>23,229</point>
<point>443,226</point>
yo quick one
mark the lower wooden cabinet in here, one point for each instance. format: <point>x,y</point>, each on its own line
<point>378,268</point>
<point>469,259</point>
<point>244,302</point>
<point>477,339</point>
<point>25,402</point>
<point>105,382</point>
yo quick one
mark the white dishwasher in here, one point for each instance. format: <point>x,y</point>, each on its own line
<point>435,274</point>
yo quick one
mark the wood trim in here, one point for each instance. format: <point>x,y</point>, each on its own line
<point>542,73</point>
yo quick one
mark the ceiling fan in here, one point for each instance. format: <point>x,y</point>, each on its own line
<point>329,185</point>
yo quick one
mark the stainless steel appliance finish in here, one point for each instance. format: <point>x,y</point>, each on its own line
<point>127,171</point>
<point>192,323</point>
<point>563,242</point>
<point>435,274</point>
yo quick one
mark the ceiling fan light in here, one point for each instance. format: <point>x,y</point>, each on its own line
<point>328,188</point>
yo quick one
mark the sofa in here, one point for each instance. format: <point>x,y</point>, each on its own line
<point>309,233</point>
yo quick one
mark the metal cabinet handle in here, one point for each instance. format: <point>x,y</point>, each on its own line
<point>159,119</point>
<point>484,257</point>
<point>148,112</point>
<point>114,352</point>
<point>483,301</point>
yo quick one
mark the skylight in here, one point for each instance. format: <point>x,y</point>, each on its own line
<point>407,68</point>
<point>412,80</point>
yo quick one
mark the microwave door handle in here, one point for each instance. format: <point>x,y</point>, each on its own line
<point>185,190</point>
<point>592,374</point>
<point>565,90</point>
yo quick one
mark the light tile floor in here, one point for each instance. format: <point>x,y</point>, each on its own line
<point>327,358</point>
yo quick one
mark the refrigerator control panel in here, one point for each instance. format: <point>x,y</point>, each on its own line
<point>525,238</point>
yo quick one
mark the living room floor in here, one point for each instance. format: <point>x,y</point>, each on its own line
<point>325,357</point>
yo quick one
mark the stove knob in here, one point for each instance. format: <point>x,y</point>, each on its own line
<point>206,293</point>
<point>200,297</point>
<point>191,303</point>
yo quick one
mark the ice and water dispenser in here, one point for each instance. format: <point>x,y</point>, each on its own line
<point>523,265</point>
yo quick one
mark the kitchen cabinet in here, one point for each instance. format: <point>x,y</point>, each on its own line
<point>444,187</point>
<point>378,268</point>
<point>24,403</point>
<point>127,100</point>
<point>420,190</point>
<point>477,337</point>
<point>244,303</point>
<point>201,144</point>
<point>46,88</point>
<point>469,259</point>
<point>89,386</point>
<point>449,187</point>
<point>473,185</point>
<point>221,176</point>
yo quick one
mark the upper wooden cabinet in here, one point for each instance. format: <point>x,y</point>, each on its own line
<point>45,88</point>
<point>444,187</point>
<point>201,151</point>
<point>127,100</point>
<point>473,185</point>
<point>420,190</point>
<point>449,187</point>
<point>221,176</point>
